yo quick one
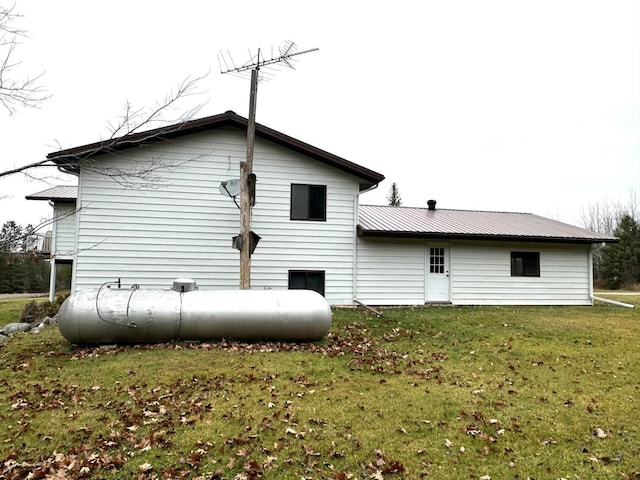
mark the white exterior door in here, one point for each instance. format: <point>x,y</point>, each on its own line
<point>437,283</point>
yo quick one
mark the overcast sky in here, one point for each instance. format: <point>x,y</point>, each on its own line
<point>515,105</point>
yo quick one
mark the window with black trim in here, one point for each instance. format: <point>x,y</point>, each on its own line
<point>525,264</point>
<point>307,280</point>
<point>308,202</point>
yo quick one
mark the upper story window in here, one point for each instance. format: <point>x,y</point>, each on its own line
<point>308,202</point>
<point>525,264</point>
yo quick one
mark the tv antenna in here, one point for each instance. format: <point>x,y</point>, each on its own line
<point>258,63</point>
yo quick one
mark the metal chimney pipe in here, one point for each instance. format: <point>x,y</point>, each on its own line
<point>431,204</point>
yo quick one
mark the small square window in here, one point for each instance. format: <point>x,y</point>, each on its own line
<point>525,264</point>
<point>308,202</point>
<point>307,280</point>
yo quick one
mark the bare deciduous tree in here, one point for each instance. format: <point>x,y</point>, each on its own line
<point>15,92</point>
<point>603,217</point>
<point>133,127</point>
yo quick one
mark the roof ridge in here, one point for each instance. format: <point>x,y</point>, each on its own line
<point>451,209</point>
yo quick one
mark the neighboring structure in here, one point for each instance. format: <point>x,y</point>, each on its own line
<point>155,208</point>
<point>62,246</point>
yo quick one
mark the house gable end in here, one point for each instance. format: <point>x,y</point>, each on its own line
<point>70,159</point>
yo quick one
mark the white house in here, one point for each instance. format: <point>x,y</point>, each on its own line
<point>430,255</point>
<point>152,207</point>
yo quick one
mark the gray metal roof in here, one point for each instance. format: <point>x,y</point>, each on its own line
<point>61,193</point>
<point>408,222</point>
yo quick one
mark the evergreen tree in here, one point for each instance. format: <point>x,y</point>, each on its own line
<point>620,266</point>
<point>393,197</point>
<point>11,236</point>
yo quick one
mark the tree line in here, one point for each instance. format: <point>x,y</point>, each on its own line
<point>617,265</point>
<point>21,268</point>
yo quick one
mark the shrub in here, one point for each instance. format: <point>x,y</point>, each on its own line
<point>36,311</point>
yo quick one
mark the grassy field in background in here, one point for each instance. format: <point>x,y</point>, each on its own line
<point>437,392</point>
<point>10,309</point>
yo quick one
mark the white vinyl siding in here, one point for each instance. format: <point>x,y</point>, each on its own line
<point>390,272</point>
<point>64,231</point>
<point>181,225</point>
<point>481,275</point>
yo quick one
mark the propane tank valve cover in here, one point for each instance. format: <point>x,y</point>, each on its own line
<point>184,285</point>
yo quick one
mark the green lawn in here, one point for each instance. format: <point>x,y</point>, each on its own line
<point>438,393</point>
<point>10,309</point>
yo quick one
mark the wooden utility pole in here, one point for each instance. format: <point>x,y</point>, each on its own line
<point>247,178</point>
<point>246,169</point>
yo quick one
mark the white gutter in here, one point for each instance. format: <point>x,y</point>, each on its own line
<point>372,187</point>
<point>613,302</point>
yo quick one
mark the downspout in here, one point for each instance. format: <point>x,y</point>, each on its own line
<point>53,271</point>
<point>613,302</point>
<point>371,309</point>
<point>356,210</point>
<point>590,269</point>
<point>600,299</point>
<point>76,235</point>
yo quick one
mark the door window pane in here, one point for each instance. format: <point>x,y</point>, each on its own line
<point>436,260</point>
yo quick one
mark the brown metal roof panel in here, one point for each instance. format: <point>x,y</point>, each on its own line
<point>407,221</point>
<point>60,193</point>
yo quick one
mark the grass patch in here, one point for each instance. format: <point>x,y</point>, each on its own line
<point>10,309</point>
<point>469,392</point>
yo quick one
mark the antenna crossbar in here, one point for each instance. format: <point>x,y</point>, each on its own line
<point>261,63</point>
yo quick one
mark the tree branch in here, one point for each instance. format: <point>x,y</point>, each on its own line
<point>130,130</point>
<point>15,93</point>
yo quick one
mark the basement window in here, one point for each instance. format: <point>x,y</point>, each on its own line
<point>525,264</point>
<point>307,280</point>
<point>308,202</point>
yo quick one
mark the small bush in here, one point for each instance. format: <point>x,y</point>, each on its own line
<point>36,311</point>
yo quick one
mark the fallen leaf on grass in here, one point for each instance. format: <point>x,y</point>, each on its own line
<point>547,441</point>
<point>600,433</point>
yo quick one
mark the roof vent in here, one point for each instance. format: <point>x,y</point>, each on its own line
<point>431,204</point>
